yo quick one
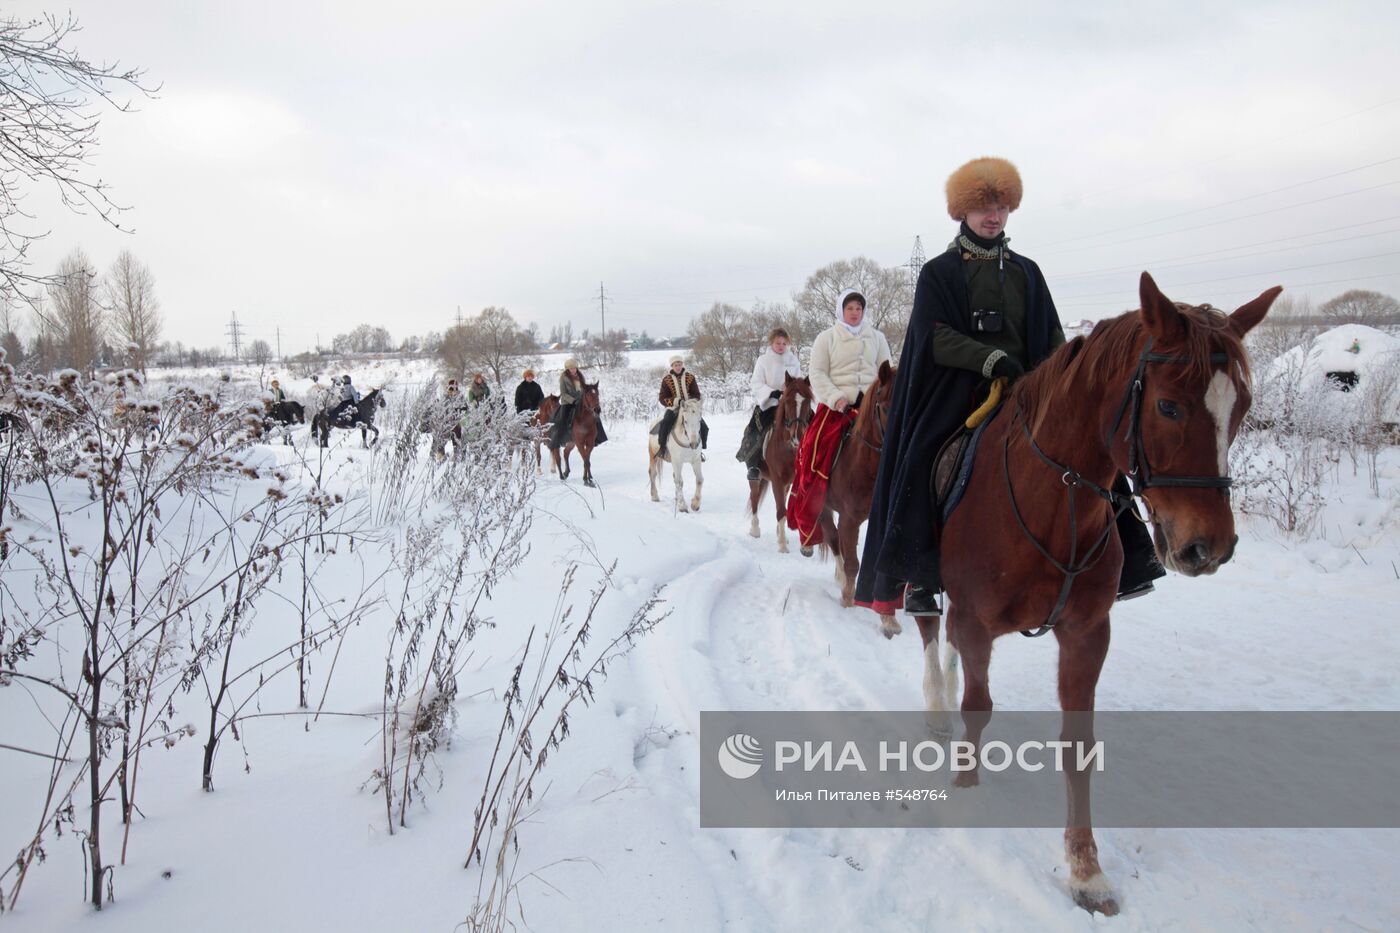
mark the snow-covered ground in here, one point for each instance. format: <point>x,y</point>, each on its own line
<point>292,840</point>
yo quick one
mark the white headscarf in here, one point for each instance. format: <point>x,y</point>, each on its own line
<point>841,311</point>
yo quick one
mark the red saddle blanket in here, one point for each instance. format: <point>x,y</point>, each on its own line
<point>813,466</point>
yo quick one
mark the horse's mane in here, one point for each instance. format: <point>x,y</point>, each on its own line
<point>802,387</point>
<point>1112,349</point>
<point>866,412</point>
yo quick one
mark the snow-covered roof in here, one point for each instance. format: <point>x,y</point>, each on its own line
<point>1349,348</point>
<point>1353,348</point>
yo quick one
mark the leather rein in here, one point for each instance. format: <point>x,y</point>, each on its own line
<point>1140,478</point>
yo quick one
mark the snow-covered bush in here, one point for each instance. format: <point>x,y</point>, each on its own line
<point>150,527</point>
<point>1293,436</point>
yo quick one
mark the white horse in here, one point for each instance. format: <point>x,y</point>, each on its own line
<point>682,447</point>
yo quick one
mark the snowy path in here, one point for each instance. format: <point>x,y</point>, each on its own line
<point>754,629</point>
<point>296,843</point>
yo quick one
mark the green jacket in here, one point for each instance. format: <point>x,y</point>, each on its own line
<point>570,391</point>
<point>998,287</point>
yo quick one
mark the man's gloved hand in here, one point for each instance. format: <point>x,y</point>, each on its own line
<point>1009,368</point>
<point>776,394</point>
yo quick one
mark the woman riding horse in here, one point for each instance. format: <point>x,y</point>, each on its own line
<point>767,385</point>
<point>980,312</point>
<point>571,386</point>
<point>845,359</point>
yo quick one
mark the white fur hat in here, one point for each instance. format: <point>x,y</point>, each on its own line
<point>675,358</point>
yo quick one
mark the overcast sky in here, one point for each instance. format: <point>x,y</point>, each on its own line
<point>314,166</point>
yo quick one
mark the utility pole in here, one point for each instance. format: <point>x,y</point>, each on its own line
<point>916,261</point>
<point>235,337</point>
<point>459,315</point>
<point>279,343</point>
<point>603,312</point>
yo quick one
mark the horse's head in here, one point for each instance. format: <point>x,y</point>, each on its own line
<point>795,406</point>
<point>692,408</point>
<point>875,408</point>
<point>590,400</point>
<point>1188,389</point>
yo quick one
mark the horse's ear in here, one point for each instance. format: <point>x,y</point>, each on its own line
<point>1159,315</point>
<point>1248,315</point>
<point>788,380</point>
<point>886,374</point>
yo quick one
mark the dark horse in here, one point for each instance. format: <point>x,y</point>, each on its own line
<point>1156,395</point>
<point>852,485</point>
<point>284,415</point>
<point>363,418</point>
<point>780,453</point>
<point>583,435</point>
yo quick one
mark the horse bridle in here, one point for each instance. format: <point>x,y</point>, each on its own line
<point>880,418</point>
<point>1140,477</point>
<point>794,441</point>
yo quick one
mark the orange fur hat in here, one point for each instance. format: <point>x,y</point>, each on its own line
<point>982,182</point>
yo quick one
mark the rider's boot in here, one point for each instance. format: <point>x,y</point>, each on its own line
<point>921,600</point>
<point>1140,564</point>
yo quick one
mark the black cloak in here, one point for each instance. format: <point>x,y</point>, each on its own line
<point>930,401</point>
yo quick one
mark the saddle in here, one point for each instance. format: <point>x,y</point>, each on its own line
<point>953,466</point>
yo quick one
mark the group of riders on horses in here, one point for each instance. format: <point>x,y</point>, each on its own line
<point>981,313</point>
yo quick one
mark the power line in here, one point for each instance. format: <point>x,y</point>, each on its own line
<point>1246,275</point>
<point>1234,151</point>
<point>1216,223</point>
<point>1157,263</point>
<point>1211,207</point>
<point>1346,281</point>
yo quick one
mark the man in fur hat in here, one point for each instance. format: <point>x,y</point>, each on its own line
<point>677,386</point>
<point>980,312</point>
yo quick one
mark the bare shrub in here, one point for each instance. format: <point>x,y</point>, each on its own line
<point>147,512</point>
<point>552,677</point>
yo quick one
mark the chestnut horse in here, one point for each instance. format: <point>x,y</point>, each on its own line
<point>540,424</point>
<point>795,407</point>
<point>852,485</point>
<point>1155,395</point>
<point>583,435</point>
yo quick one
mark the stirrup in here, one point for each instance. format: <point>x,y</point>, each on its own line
<point>921,601</point>
<point>1133,592</point>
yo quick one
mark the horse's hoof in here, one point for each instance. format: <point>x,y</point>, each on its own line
<point>847,601</point>
<point>1096,900</point>
<point>890,627</point>
<point>655,497</point>
<point>755,533</point>
<point>806,551</point>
